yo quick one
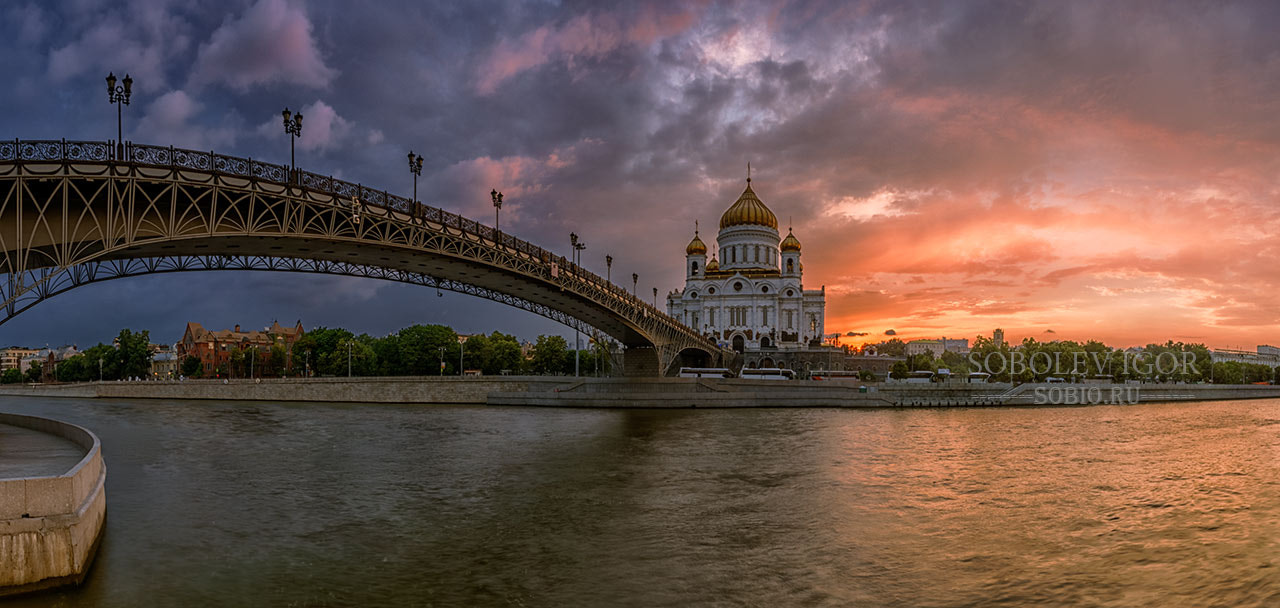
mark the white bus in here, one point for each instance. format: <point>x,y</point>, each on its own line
<point>920,377</point>
<point>767,373</point>
<point>705,372</point>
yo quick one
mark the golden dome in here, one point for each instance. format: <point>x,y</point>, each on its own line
<point>713,265</point>
<point>696,246</point>
<point>748,210</point>
<point>791,243</point>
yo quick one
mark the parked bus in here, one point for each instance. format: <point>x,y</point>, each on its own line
<point>705,372</point>
<point>767,373</point>
<point>920,377</point>
<point>979,377</point>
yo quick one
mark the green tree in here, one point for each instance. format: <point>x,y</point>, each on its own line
<point>550,354</point>
<point>991,358</point>
<point>73,369</point>
<point>473,353</point>
<point>192,367</point>
<point>496,353</point>
<point>323,343</point>
<point>276,361</point>
<point>102,358</point>
<point>893,347</point>
<point>358,351</point>
<point>239,366</point>
<point>899,370</point>
<point>11,376</point>
<point>419,348</point>
<point>955,362</point>
<point>134,353</point>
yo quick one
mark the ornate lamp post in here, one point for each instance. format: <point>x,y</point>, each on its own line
<point>608,268</point>
<point>655,297</point>
<point>497,206</point>
<point>292,126</point>
<point>415,167</point>
<point>577,257</point>
<point>635,279</point>
<point>120,97</point>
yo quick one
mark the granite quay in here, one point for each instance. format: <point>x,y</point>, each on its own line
<point>52,503</point>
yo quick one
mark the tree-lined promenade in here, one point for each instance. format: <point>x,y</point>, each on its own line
<point>417,350</point>
<point>420,350</point>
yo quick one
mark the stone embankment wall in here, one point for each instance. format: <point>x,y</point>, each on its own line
<point>647,392</point>
<point>428,389</point>
<point>50,526</point>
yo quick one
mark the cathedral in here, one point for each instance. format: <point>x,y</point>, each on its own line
<point>752,298</point>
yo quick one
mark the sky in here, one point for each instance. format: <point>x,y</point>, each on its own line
<point>1062,170</point>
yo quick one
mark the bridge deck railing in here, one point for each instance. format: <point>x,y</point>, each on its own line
<point>212,162</point>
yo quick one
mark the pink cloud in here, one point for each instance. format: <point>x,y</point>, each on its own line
<point>271,42</point>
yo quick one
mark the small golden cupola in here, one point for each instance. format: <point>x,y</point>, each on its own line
<point>696,246</point>
<point>791,243</point>
<point>748,210</point>
<point>713,265</point>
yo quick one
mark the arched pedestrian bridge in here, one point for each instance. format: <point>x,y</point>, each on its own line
<point>73,213</point>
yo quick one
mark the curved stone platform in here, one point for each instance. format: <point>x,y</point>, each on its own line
<point>52,502</point>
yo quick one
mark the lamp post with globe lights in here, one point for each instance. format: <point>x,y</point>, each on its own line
<point>292,126</point>
<point>497,206</point>
<point>415,167</point>
<point>119,95</point>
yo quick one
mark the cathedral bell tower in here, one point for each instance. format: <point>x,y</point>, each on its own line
<point>695,255</point>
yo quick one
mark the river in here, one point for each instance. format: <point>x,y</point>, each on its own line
<point>273,504</point>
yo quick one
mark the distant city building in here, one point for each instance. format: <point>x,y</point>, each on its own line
<point>214,348</point>
<point>997,337</point>
<point>164,364</point>
<point>937,347</point>
<point>752,299</point>
<point>919,347</point>
<point>11,358</point>
<point>1265,355</point>
<point>48,358</point>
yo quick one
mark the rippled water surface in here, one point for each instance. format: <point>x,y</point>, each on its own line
<point>246,504</point>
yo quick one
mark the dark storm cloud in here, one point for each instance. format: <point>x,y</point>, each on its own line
<point>875,127</point>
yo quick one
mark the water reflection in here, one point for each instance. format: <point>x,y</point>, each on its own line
<point>298,504</point>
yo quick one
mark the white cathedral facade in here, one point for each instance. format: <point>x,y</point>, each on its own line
<point>750,295</point>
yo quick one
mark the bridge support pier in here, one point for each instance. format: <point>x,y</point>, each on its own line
<point>640,362</point>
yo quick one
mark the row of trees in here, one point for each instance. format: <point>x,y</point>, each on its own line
<point>1035,361</point>
<point>413,351</point>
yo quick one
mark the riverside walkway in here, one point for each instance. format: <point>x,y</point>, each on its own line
<point>30,453</point>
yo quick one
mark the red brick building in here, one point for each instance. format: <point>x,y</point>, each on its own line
<point>214,348</point>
